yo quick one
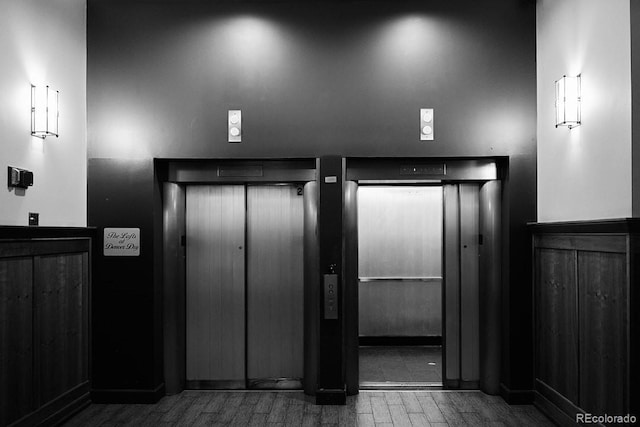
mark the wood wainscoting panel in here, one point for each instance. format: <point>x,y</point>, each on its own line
<point>16,347</point>
<point>557,321</point>
<point>61,323</point>
<point>586,285</point>
<point>603,315</point>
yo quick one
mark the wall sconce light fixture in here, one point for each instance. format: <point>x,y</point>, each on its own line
<point>44,111</point>
<point>568,102</point>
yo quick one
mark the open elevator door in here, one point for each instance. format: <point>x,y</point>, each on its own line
<point>245,285</point>
<point>472,204</point>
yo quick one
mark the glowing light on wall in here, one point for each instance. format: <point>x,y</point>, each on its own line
<point>44,111</point>
<point>568,100</point>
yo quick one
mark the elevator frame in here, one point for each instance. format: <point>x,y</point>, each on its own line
<point>172,174</point>
<point>487,174</point>
<point>179,175</point>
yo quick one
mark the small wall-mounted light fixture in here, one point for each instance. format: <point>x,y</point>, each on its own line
<point>234,126</point>
<point>426,124</point>
<point>568,101</point>
<point>44,111</point>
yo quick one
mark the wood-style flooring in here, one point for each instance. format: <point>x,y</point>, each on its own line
<point>369,408</point>
<point>405,364</point>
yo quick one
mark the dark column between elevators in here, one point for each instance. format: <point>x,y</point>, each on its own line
<point>331,386</point>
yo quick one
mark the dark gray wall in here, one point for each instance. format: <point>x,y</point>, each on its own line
<point>312,78</point>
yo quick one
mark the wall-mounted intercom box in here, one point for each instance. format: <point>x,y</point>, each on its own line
<point>20,178</point>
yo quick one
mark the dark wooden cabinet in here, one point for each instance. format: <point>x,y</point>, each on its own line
<point>586,329</point>
<point>44,328</point>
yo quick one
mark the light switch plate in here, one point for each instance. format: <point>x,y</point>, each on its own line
<point>234,128</point>
<point>34,218</point>
<point>426,124</point>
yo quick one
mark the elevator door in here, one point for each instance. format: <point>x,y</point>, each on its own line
<point>215,286</point>
<point>274,286</point>
<point>244,286</point>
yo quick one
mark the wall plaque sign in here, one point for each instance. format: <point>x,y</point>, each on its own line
<point>121,242</point>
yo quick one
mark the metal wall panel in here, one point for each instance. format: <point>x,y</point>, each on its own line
<point>215,283</point>
<point>452,285</point>
<point>275,282</point>
<point>351,298</point>
<point>469,283</point>
<point>401,308</point>
<point>490,286</point>
<point>400,231</point>
<point>311,287</point>
<point>173,268</point>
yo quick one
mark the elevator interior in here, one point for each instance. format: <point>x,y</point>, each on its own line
<point>400,285</point>
<point>461,265</point>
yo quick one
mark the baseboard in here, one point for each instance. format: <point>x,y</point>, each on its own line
<point>555,406</point>
<point>461,385</point>
<point>331,397</point>
<point>516,397</point>
<point>58,410</point>
<point>399,341</point>
<point>59,418</point>
<point>127,395</point>
<point>469,385</point>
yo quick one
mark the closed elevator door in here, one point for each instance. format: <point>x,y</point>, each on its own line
<point>244,286</point>
<point>274,286</point>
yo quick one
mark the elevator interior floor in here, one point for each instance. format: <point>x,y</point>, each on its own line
<point>401,365</point>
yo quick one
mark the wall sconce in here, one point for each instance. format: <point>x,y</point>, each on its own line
<point>44,111</point>
<point>568,102</point>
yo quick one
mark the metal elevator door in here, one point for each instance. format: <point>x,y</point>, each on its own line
<point>244,286</point>
<point>274,286</point>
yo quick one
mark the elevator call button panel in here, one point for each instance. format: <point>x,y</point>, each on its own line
<point>330,296</point>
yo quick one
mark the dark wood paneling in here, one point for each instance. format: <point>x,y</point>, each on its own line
<point>16,351</point>
<point>41,232</point>
<point>600,261</point>
<point>60,322</point>
<point>44,326</point>
<point>595,243</point>
<point>23,248</point>
<point>556,321</point>
<point>603,332</point>
<point>634,323</point>
<point>618,226</point>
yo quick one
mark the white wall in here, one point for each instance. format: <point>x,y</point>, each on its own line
<point>585,173</point>
<point>43,41</point>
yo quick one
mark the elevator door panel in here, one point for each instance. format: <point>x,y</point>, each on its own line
<point>275,279</point>
<point>215,230</point>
